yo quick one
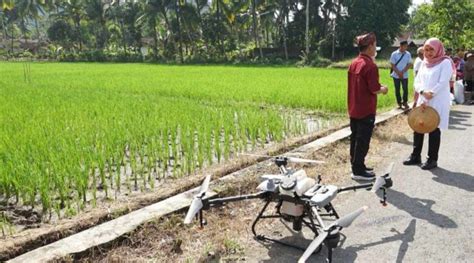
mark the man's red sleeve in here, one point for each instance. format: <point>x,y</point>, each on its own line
<point>373,79</point>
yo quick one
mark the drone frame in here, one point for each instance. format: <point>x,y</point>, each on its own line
<point>311,211</point>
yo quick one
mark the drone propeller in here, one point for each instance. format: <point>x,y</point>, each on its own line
<point>288,158</point>
<point>256,155</point>
<point>379,182</point>
<point>313,246</point>
<point>342,222</point>
<point>389,168</point>
<point>347,220</point>
<point>300,160</point>
<point>197,204</point>
<point>276,177</point>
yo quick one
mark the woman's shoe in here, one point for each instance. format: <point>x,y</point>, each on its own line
<point>412,161</point>
<point>429,165</point>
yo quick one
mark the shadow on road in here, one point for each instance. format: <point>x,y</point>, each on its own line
<point>419,208</point>
<point>459,120</point>
<point>280,253</point>
<point>459,180</point>
<point>349,254</point>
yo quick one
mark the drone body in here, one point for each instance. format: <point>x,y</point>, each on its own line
<point>299,199</point>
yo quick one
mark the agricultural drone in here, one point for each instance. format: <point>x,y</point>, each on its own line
<point>300,200</point>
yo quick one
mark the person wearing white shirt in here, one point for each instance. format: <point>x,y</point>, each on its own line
<point>432,83</point>
<point>400,61</point>
<point>418,60</point>
<point>416,67</point>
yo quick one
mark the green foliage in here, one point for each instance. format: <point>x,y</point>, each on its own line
<point>384,17</point>
<point>451,21</point>
<point>189,31</point>
<point>420,20</point>
<point>5,225</point>
<point>61,32</point>
<point>6,4</point>
<point>313,60</point>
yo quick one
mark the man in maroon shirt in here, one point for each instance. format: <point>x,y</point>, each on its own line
<point>363,87</point>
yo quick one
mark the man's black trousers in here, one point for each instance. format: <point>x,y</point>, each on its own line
<point>404,83</point>
<point>433,145</point>
<point>360,139</point>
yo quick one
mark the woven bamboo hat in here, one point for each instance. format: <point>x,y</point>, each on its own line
<point>423,119</point>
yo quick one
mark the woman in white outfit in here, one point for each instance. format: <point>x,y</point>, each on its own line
<point>432,83</point>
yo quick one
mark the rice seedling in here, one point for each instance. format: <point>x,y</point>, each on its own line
<point>82,132</point>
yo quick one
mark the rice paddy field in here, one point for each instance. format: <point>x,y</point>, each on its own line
<point>69,131</point>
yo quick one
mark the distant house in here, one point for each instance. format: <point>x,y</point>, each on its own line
<point>32,45</point>
<point>413,44</point>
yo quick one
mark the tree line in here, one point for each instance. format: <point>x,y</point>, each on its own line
<point>203,30</point>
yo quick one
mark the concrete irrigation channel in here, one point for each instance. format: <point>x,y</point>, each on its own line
<point>113,229</point>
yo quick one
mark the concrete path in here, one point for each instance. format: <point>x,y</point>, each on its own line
<point>430,215</point>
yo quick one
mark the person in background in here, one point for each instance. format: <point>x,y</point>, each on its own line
<point>416,67</point>
<point>400,61</point>
<point>449,52</point>
<point>363,87</point>
<point>459,63</point>
<point>418,60</point>
<point>432,83</point>
<point>469,74</point>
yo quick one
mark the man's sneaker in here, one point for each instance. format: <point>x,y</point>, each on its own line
<point>370,171</point>
<point>364,176</point>
<point>405,106</point>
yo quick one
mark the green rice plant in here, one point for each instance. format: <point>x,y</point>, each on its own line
<point>80,127</point>
<point>5,225</point>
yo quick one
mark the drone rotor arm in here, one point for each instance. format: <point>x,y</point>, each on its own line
<point>224,200</point>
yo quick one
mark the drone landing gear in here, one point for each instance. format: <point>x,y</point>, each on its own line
<point>297,226</point>
<point>331,243</point>
<point>330,211</point>
<point>383,201</point>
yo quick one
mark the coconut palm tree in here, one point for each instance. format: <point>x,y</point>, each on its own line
<point>150,18</point>
<point>74,10</point>
<point>307,28</point>
<point>96,11</point>
<point>29,9</point>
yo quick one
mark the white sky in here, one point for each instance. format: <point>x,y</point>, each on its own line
<point>416,3</point>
